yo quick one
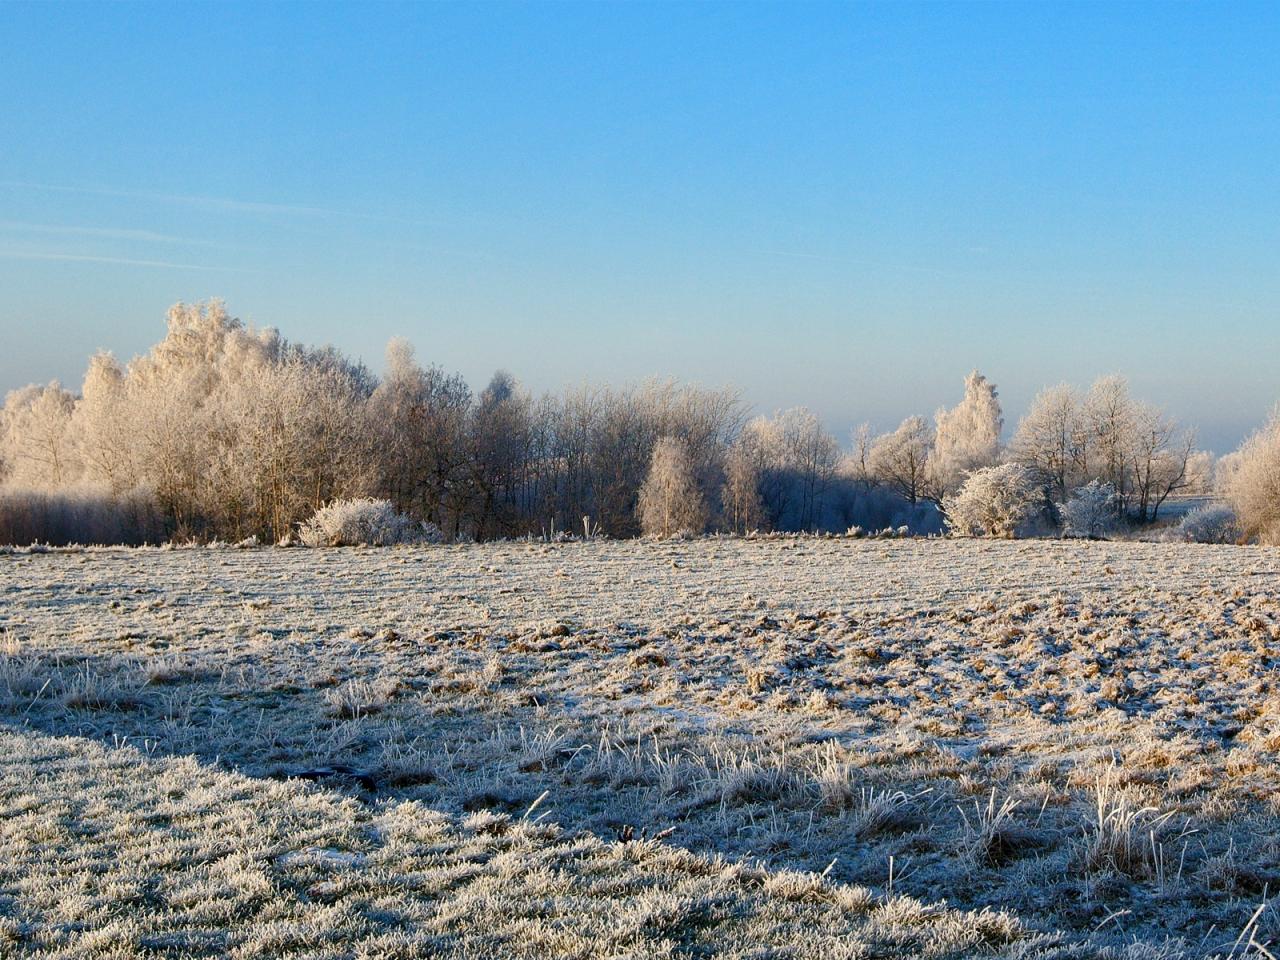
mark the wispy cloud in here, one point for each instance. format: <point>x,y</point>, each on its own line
<point>105,233</point>
<point>310,213</point>
<point>226,204</point>
<point>120,261</point>
<point>217,203</point>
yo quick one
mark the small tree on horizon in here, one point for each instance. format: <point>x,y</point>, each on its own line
<point>670,501</point>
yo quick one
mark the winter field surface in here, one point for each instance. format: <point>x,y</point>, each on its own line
<point>789,746</point>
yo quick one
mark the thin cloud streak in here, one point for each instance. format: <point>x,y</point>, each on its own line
<point>226,203</point>
<point>121,261</point>
<point>108,233</point>
<point>220,203</point>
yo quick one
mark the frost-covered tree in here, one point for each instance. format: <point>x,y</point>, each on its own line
<point>858,463</point>
<point>761,444</point>
<point>1223,471</point>
<point>1050,440</point>
<point>421,415</point>
<point>503,447</point>
<point>966,437</point>
<point>178,394</point>
<point>670,501</point>
<point>993,501</point>
<point>104,423</point>
<point>1253,485</point>
<point>1068,441</point>
<point>221,430</point>
<point>39,450</point>
<point>795,462</point>
<point>811,454</point>
<point>1162,460</point>
<point>901,459</point>
<point>1092,511</point>
<point>741,506</point>
<point>1202,473</point>
<point>294,438</point>
<point>627,425</point>
<point>234,431</point>
<point>1110,422</point>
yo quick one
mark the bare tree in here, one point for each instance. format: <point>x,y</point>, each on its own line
<point>859,461</point>
<point>1110,422</point>
<point>1050,440</point>
<point>422,415</point>
<point>1160,456</point>
<point>901,459</point>
<point>811,454</point>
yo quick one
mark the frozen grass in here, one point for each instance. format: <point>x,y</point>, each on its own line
<point>1082,735</point>
<point>108,853</point>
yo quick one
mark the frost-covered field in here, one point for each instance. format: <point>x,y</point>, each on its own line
<point>1080,735</point>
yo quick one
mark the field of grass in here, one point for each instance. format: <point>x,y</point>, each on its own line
<point>775,747</point>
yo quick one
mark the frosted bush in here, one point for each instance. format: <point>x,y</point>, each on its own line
<point>993,502</point>
<point>367,522</point>
<point>1092,511</point>
<point>1214,523</point>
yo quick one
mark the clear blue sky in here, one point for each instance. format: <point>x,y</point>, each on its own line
<point>843,206</point>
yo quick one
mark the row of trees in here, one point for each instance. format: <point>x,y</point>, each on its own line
<point>237,433</point>
<point>234,432</point>
<point>1066,440</point>
<point>1101,440</point>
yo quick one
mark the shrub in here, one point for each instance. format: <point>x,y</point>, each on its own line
<point>1213,523</point>
<point>993,502</point>
<point>364,522</point>
<point>1092,511</point>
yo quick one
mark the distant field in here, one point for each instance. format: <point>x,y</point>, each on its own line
<point>1080,736</point>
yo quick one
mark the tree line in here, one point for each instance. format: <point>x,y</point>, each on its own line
<point>223,431</point>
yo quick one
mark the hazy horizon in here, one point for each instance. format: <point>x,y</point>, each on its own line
<point>846,208</point>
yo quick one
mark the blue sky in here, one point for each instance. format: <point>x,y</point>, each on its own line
<point>843,206</point>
